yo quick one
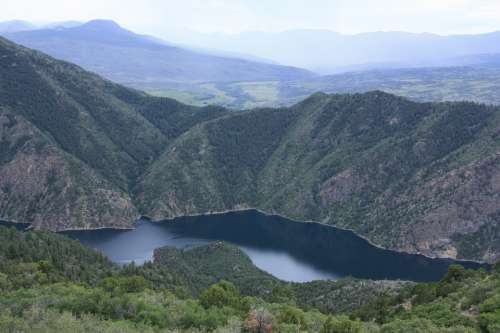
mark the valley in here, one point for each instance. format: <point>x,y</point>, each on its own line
<point>276,245</point>
<point>408,176</point>
<point>474,82</point>
<point>201,76</point>
<point>249,167</point>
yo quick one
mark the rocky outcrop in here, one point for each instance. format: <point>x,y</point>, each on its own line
<point>45,186</point>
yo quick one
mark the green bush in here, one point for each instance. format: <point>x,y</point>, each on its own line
<point>219,295</point>
<point>341,325</point>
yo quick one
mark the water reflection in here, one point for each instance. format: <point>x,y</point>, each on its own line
<point>289,250</point>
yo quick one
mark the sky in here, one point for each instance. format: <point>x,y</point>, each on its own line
<point>163,17</point>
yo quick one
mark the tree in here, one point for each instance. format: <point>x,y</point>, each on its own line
<point>219,295</point>
<point>341,324</point>
<point>259,321</point>
<point>456,273</point>
<point>292,315</point>
<point>133,284</point>
<point>4,282</point>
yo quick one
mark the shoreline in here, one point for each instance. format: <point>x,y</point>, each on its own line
<point>29,226</point>
<point>250,209</point>
<point>98,228</point>
<point>323,225</point>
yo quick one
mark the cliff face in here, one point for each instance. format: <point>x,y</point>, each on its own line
<point>81,152</point>
<point>44,185</point>
<point>72,143</point>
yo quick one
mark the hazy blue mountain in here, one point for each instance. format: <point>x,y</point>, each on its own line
<point>326,51</point>
<point>20,25</point>
<point>62,24</point>
<point>476,59</point>
<point>15,25</point>
<point>106,48</point>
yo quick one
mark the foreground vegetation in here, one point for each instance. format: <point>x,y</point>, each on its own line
<point>52,284</point>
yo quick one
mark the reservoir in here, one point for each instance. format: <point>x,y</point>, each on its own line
<point>289,250</point>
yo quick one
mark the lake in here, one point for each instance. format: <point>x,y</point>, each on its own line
<point>289,250</point>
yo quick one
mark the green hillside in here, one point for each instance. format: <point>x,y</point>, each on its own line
<point>409,176</point>
<point>73,143</point>
<point>53,284</point>
<point>81,152</point>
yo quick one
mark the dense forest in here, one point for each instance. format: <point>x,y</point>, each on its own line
<point>79,151</point>
<point>408,176</point>
<point>50,283</point>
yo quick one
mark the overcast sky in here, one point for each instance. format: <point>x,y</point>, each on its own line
<point>159,17</point>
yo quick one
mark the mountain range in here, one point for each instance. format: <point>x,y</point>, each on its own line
<point>204,76</point>
<point>329,52</point>
<point>15,26</point>
<point>79,151</point>
<point>106,48</point>
<point>20,25</point>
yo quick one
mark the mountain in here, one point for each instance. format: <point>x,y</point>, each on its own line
<point>79,151</point>
<point>73,143</point>
<point>329,52</point>
<point>62,24</point>
<point>417,177</point>
<point>100,46</point>
<point>15,26</point>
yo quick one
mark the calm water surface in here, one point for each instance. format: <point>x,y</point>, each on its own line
<point>289,250</point>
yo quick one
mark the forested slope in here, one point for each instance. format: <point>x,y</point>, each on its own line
<point>79,151</point>
<point>419,177</point>
<point>73,143</point>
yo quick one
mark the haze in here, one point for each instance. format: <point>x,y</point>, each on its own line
<point>322,36</point>
<point>169,18</point>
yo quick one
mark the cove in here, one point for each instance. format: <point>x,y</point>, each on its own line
<point>289,250</point>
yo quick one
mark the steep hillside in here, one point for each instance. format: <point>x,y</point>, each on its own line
<point>82,152</point>
<point>100,46</point>
<point>408,176</point>
<point>72,143</point>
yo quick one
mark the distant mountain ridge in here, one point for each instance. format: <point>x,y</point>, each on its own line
<point>100,46</point>
<point>15,26</point>
<point>326,51</point>
<point>20,25</point>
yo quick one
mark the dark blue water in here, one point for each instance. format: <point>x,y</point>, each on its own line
<point>289,250</point>
<point>18,226</point>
